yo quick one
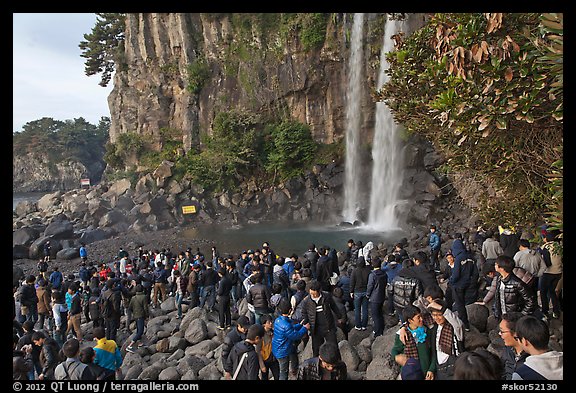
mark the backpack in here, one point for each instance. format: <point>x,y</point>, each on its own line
<point>545,255</point>
<point>43,266</point>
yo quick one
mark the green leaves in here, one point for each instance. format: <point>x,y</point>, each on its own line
<point>487,87</point>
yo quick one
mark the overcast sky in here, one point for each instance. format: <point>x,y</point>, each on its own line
<point>48,72</point>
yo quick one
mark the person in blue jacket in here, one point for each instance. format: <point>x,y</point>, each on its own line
<point>434,242</point>
<point>286,333</point>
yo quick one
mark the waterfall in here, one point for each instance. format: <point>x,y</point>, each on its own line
<point>353,119</point>
<point>387,165</point>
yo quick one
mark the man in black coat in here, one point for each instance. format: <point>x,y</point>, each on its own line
<point>234,336</point>
<point>318,309</point>
<point>243,356</point>
<point>223,299</point>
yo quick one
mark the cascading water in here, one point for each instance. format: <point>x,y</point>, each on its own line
<point>387,166</point>
<point>353,120</point>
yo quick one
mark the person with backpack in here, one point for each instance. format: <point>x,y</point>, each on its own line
<point>243,356</point>
<point>72,369</point>
<point>42,268</point>
<point>234,336</point>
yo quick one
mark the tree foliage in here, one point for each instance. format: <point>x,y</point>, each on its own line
<point>103,47</point>
<point>70,139</point>
<point>486,89</point>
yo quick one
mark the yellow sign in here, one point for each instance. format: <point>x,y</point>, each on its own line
<point>188,209</point>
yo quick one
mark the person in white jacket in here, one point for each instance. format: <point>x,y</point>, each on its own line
<point>543,363</point>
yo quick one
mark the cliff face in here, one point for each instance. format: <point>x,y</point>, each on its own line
<point>247,68</point>
<point>36,173</point>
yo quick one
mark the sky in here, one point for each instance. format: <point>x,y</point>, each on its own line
<point>48,72</point>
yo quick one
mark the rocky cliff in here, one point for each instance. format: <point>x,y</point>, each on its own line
<point>37,172</point>
<point>179,70</point>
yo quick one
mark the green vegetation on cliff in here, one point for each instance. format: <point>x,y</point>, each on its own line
<point>486,89</point>
<point>59,141</point>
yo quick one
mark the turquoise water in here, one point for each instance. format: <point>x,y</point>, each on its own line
<point>287,238</point>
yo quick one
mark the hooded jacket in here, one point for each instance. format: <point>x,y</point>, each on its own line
<point>406,288</point>
<point>549,365</point>
<point>250,367</point>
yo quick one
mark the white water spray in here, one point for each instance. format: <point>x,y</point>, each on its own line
<point>353,120</point>
<point>387,166</point>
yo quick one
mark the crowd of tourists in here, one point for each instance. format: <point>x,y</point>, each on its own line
<point>308,295</point>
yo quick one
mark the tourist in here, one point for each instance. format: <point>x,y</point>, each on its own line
<point>44,306</point>
<point>434,241</point>
<point>358,285</point>
<point>312,256</point>
<point>243,356</point>
<point>207,282</point>
<point>513,354</point>
<point>180,288</point>
<point>406,288</point>
<point>21,361</point>
<point>87,356</point>
<point>376,293</point>
<point>140,311</point>
<point>26,340</point>
<point>320,310</point>
<point>266,359</point>
<point>83,252</point>
<point>223,298</point>
<point>491,248</point>
<point>327,365</point>
<point>287,335</point>
<point>234,336</point>
<point>160,281</point>
<point>463,281</point>
<point>531,261</point>
<point>447,337</point>
<point>49,354</point>
<point>551,276</point>
<point>479,364</point>
<point>72,369</point>
<point>416,357</point>
<point>111,308</point>
<point>28,299</point>
<point>338,296</point>
<point>74,312</point>
<point>107,352</point>
<point>543,363</point>
<point>512,294</point>
<point>391,267</point>
<point>259,297</point>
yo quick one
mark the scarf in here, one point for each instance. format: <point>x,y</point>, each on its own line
<point>445,341</point>
<point>415,337</point>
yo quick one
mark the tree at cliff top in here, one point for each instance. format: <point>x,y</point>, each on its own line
<point>103,47</point>
<point>486,89</point>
